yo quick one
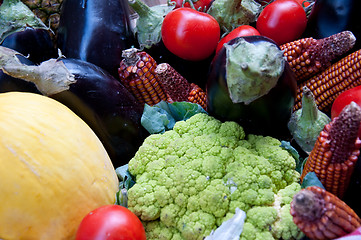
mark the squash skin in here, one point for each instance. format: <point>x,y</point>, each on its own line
<point>54,169</point>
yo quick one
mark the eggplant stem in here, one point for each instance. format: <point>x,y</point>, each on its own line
<point>50,77</point>
<point>140,7</point>
<point>309,106</point>
<point>190,3</point>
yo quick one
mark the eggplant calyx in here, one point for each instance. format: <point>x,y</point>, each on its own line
<point>309,111</point>
<point>149,23</point>
<point>50,77</point>
<point>252,69</point>
<point>15,16</point>
<point>306,123</point>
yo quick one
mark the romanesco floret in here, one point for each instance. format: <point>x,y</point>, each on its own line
<point>275,219</point>
<point>192,178</point>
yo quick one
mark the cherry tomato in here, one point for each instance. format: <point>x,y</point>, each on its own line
<point>243,30</point>
<point>265,2</point>
<point>201,5</point>
<point>344,99</point>
<point>282,20</point>
<point>111,222</point>
<point>190,34</point>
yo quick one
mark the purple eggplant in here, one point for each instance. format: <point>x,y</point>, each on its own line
<point>329,17</point>
<point>256,90</point>
<point>93,94</point>
<point>22,31</point>
<point>96,31</point>
<point>194,71</point>
<point>34,43</point>
<point>105,104</point>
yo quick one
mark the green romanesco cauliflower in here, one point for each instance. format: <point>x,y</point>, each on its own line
<point>275,221</point>
<point>192,178</point>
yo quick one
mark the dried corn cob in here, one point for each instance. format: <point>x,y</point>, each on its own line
<point>308,56</point>
<point>327,85</point>
<point>336,151</point>
<point>178,88</point>
<point>321,215</point>
<point>197,95</point>
<point>136,73</point>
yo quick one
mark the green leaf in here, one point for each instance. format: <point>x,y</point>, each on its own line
<point>126,180</point>
<point>299,161</point>
<point>149,23</point>
<point>287,146</point>
<point>184,110</point>
<point>156,119</point>
<point>122,197</point>
<point>311,179</point>
<point>162,116</point>
<point>15,16</point>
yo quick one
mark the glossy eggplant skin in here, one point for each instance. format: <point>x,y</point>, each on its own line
<point>95,31</point>
<point>194,71</point>
<point>10,84</point>
<point>329,17</point>
<point>107,107</point>
<point>268,115</point>
<point>35,43</point>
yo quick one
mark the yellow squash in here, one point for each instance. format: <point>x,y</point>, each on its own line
<point>53,169</point>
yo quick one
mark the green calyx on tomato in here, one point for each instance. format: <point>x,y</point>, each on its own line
<point>231,14</point>
<point>199,5</point>
<point>190,34</point>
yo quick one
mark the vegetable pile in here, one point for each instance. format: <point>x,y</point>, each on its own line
<point>180,119</point>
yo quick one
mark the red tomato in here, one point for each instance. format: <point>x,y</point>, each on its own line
<point>190,34</point>
<point>241,31</point>
<point>282,20</point>
<point>344,99</point>
<point>111,222</point>
<point>201,5</point>
<point>265,2</point>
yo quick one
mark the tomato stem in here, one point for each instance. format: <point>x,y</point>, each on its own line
<point>190,3</point>
<point>309,7</point>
